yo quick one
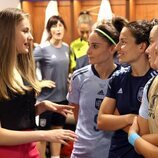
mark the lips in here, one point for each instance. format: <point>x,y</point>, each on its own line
<point>149,58</point>
<point>58,34</point>
<point>119,55</point>
<point>27,45</point>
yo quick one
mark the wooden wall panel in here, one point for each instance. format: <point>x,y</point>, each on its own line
<point>76,8</point>
<point>37,14</point>
<point>146,2</point>
<point>39,18</point>
<point>118,7</point>
<point>131,10</point>
<point>27,7</point>
<point>64,8</point>
<point>119,10</point>
<point>93,6</point>
<point>69,10</point>
<point>146,9</point>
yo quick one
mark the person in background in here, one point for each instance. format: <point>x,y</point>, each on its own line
<point>88,88</point>
<point>19,88</point>
<point>124,94</point>
<point>53,59</point>
<point>143,132</point>
<point>79,47</point>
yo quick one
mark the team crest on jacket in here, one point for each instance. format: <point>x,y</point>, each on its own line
<point>140,94</point>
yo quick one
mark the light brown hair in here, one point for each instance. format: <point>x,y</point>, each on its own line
<point>9,60</point>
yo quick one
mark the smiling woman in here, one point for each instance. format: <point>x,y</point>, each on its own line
<point>19,88</point>
<point>23,36</point>
<point>146,123</point>
<point>125,90</point>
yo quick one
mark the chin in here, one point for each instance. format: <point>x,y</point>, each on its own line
<point>25,52</point>
<point>90,62</point>
<point>120,61</point>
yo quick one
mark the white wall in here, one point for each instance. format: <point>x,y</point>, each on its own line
<point>9,3</point>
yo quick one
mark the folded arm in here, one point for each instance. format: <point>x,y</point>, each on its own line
<point>108,121</point>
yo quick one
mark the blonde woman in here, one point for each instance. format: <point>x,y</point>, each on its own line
<point>79,47</point>
<point>18,91</point>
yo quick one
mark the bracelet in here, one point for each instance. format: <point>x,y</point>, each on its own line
<point>132,138</point>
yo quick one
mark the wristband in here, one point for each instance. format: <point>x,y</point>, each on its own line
<point>132,138</point>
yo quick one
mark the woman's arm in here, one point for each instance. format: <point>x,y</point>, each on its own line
<point>151,138</point>
<point>10,137</point>
<point>106,118</point>
<point>146,149</point>
<point>143,125</point>
<point>142,146</point>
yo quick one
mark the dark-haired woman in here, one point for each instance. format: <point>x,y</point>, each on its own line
<point>143,132</point>
<point>125,90</point>
<point>88,89</point>
<point>53,59</point>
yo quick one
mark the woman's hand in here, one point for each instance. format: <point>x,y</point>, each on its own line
<point>58,136</point>
<point>134,128</point>
<point>47,83</point>
<point>50,106</point>
<point>130,118</point>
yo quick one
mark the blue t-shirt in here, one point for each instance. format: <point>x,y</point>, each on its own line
<point>127,90</point>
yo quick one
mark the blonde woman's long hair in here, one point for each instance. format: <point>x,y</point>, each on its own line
<point>9,59</point>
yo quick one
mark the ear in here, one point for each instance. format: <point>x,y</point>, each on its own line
<point>113,49</point>
<point>143,46</point>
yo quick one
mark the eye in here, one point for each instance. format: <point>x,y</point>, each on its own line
<point>61,25</point>
<point>53,26</point>
<point>95,46</point>
<point>150,41</point>
<point>26,30</point>
<point>122,42</point>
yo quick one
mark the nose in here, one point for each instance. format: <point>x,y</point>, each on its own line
<point>30,36</point>
<point>58,28</point>
<point>150,49</point>
<point>85,35</point>
<point>147,50</point>
<point>88,51</point>
<point>117,47</point>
